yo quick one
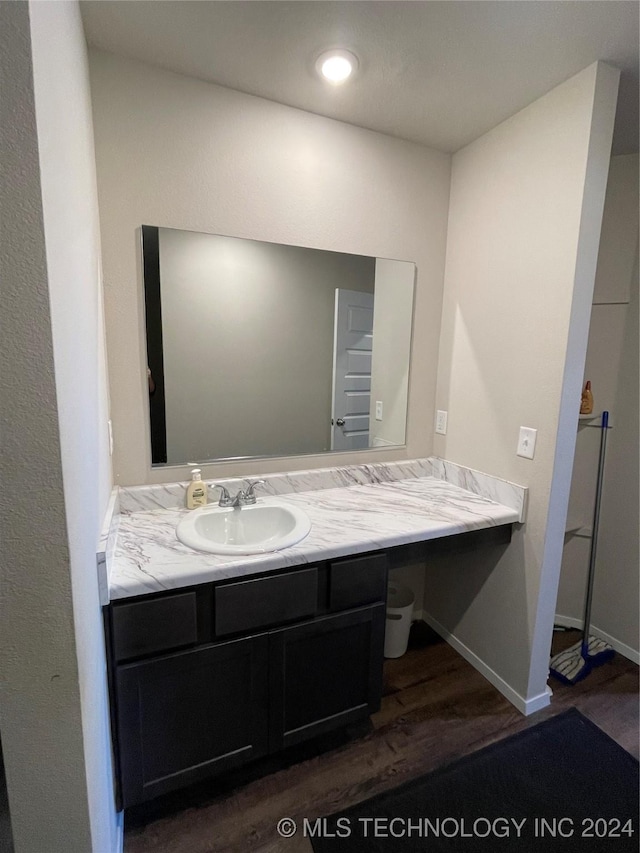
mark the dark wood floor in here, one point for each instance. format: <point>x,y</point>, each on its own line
<point>436,708</point>
<point>6,838</point>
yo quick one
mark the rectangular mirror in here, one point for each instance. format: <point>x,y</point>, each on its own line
<point>260,349</point>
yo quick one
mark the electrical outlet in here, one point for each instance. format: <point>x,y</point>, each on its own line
<point>527,442</point>
<point>378,410</point>
<point>441,422</point>
<point>110,427</point>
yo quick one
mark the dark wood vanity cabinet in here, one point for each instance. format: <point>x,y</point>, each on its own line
<point>208,678</point>
<point>185,716</point>
<point>324,674</point>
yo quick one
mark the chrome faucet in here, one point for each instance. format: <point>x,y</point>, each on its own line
<point>245,497</point>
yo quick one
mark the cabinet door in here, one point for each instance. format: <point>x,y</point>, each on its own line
<point>186,716</point>
<point>325,674</point>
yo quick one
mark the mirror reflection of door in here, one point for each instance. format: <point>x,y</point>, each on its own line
<point>240,339</point>
<point>352,348</point>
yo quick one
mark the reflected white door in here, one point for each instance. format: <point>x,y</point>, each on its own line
<point>352,346</point>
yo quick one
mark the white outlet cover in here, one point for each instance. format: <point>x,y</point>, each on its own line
<point>378,410</point>
<point>527,442</point>
<point>441,422</point>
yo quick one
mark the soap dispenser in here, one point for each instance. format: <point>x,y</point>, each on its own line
<point>586,402</point>
<point>197,490</point>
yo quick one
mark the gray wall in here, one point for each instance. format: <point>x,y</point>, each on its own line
<point>248,334</point>
<point>177,152</point>
<point>612,367</point>
<point>392,316</point>
<point>525,214</point>
<point>53,706</point>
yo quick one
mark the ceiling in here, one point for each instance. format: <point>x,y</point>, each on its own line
<point>437,73</point>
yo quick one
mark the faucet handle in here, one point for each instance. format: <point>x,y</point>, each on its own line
<point>225,497</point>
<point>248,495</point>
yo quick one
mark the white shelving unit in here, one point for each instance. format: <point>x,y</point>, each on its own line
<point>577,526</point>
<point>611,365</point>
<point>591,421</point>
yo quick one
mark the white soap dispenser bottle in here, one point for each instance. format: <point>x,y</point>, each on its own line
<point>196,491</point>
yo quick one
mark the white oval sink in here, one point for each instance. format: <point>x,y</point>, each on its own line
<point>268,525</point>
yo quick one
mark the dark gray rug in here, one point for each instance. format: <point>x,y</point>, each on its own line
<point>561,785</point>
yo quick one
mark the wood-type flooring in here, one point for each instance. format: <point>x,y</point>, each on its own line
<point>436,708</point>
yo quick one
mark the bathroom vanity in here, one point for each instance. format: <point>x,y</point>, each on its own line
<point>215,661</point>
<point>216,675</point>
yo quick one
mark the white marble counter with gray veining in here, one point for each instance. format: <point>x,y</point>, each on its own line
<point>348,519</point>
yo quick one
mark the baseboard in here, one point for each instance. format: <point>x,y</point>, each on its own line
<point>525,706</point>
<point>626,651</point>
<point>567,622</point>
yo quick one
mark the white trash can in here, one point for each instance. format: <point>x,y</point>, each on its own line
<point>400,601</point>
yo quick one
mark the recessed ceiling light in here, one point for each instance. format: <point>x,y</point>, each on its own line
<point>336,66</point>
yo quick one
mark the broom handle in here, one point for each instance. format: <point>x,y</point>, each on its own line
<point>604,425</point>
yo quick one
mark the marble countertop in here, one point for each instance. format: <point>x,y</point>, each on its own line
<point>147,556</point>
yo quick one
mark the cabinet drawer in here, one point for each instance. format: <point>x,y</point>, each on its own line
<point>246,605</point>
<point>361,580</point>
<point>156,625</point>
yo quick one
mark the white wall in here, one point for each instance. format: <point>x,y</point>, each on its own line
<point>525,209</point>
<point>612,367</point>
<point>177,152</point>
<point>392,315</point>
<point>54,703</point>
<point>247,332</point>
